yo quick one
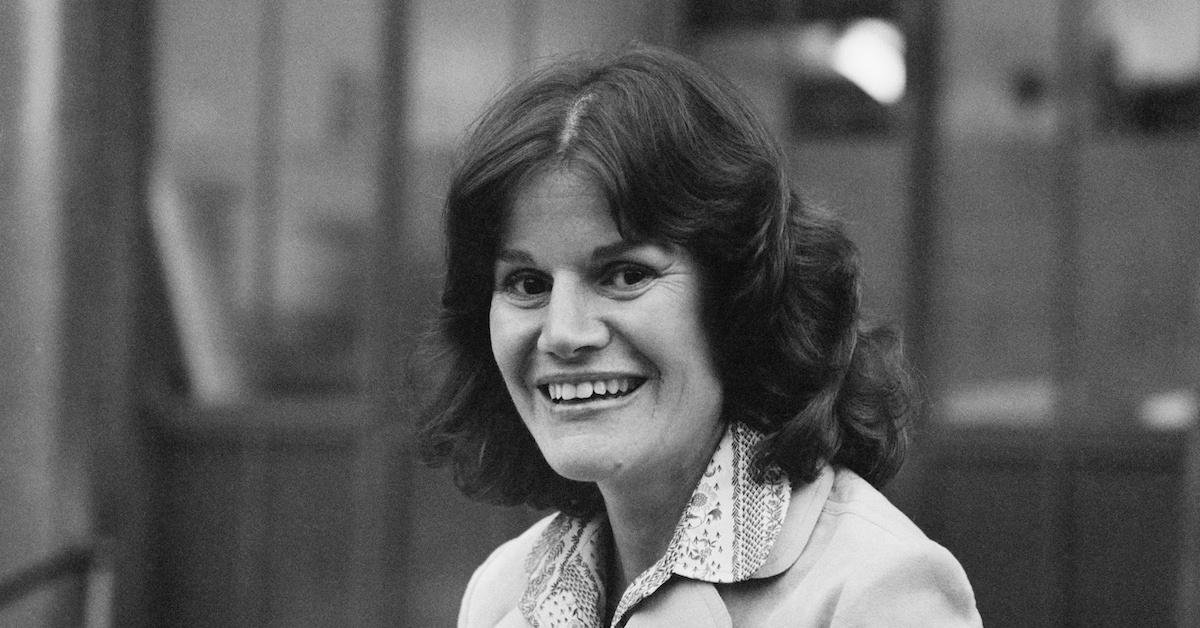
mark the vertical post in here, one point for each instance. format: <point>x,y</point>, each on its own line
<point>1188,611</point>
<point>253,529</point>
<point>267,165</point>
<point>31,136</point>
<point>380,552</point>
<point>106,119</point>
<point>1071,113</point>
<point>525,44</point>
<point>923,24</point>
<point>1071,109</point>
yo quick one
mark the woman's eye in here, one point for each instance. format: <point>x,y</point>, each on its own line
<point>627,277</point>
<point>526,284</point>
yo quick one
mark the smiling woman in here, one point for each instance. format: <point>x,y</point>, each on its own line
<point>584,307</point>
<point>650,332</point>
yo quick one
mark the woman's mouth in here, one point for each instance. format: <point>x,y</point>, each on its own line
<point>585,391</point>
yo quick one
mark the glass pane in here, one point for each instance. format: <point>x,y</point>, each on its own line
<point>1140,229</point>
<point>831,81</point>
<point>992,348</point>
<point>819,76</point>
<point>264,188</point>
<point>1145,65</point>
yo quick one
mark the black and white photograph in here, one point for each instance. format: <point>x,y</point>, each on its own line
<point>599,313</point>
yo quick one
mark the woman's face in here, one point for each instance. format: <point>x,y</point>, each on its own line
<point>600,342</point>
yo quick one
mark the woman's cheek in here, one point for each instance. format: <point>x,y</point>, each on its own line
<point>510,332</point>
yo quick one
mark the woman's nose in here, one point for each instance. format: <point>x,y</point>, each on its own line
<point>572,325</point>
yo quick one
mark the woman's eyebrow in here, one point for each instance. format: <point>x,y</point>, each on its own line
<point>604,251</point>
<point>616,249</point>
<point>514,256</point>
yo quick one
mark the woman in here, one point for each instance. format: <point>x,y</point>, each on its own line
<point>650,333</point>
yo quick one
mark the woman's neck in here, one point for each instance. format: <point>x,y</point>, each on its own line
<point>640,536</point>
<point>643,516</point>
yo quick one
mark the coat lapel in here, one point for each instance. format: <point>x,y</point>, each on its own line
<point>682,602</point>
<point>802,512</point>
<point>513,619</point>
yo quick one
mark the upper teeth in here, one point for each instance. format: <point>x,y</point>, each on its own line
<point>583,390</point>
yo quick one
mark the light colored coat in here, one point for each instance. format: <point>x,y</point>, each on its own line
<point>844,557</point>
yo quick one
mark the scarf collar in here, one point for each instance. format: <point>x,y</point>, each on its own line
<point>725,534</point>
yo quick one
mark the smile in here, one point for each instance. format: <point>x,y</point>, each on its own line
<point>585,391</point>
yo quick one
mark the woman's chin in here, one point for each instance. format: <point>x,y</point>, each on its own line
<point>587,466</point>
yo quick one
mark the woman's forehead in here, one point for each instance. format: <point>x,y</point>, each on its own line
<point>558,182</point>
<point>546,193</point>
<point>556,207</point>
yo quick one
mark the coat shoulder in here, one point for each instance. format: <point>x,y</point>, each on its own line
<point>883,569</point>
<point>497,585</point>
<point>865,563</point>
<point>855,504</point>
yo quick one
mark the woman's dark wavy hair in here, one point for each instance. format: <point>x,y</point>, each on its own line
<point>683,160</point>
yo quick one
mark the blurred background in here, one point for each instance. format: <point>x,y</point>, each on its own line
<point>219,249</point>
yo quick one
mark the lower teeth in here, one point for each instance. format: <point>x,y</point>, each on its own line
<point>590,398</point>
